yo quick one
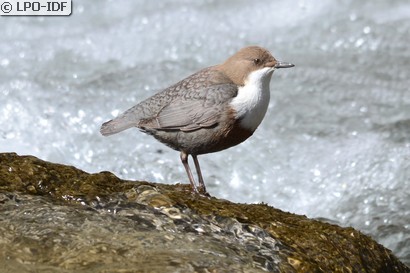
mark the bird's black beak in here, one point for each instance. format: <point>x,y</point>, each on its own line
<point>283,65</point>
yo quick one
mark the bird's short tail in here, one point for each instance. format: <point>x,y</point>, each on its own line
<point>115,126</point>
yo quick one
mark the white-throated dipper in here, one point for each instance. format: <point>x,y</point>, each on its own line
<point>209,111</point>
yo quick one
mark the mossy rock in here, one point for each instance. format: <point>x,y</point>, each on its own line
<point>230,237</point>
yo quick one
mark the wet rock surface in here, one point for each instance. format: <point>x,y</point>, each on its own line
<point>56,218</point>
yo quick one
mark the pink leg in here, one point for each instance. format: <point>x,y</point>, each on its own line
<point>184,159</point>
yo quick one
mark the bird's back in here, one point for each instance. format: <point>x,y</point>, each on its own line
<point>169,108</point>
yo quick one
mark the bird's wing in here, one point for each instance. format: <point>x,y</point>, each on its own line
<point>197,109</point>
<point>190,104</point>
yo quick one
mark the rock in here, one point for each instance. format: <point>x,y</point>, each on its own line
<point>56,218</point>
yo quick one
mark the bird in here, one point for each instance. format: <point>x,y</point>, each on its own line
<point>211,110</point>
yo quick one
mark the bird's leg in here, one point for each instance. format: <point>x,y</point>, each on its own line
<point>202,187</point>
<point>184,159</point>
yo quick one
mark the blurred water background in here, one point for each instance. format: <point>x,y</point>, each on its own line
<point>334,144</point>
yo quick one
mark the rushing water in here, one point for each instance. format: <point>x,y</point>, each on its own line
<point>335,142</point>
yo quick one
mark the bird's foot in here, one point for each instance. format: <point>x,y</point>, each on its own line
<point>202,191</point>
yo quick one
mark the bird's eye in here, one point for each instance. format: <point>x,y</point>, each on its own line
<point>256,61</point>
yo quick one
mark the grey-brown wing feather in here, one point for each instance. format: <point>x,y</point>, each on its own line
<point>189,104</point>
<point>190,113</point>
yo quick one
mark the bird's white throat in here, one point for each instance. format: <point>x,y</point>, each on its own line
<point>252,100</point>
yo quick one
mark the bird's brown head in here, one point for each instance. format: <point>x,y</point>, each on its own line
<point>248,59</point>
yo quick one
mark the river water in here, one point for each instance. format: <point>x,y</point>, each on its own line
<point>334,144</point>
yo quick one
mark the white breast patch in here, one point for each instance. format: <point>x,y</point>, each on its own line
<point>252,100</point>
